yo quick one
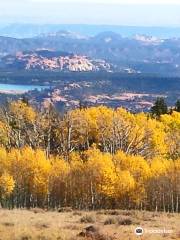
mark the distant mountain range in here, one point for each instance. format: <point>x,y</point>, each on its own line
<point>141,53</point>
<point>111,65</point>
<point>32,30</point>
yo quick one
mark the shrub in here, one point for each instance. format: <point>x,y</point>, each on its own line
<point>77,213</point>
<point>8,224</point>
<point>110,220</point>
<point>88,219</point>
<point>26,237</point>
<point>108,212</point>
<point>112,212</point>
<point>92,232</point>
<point>128,213</point>
<point>65,209</point>
<point>42,225</point>
<point>125,221</point>
<point>38,210</point>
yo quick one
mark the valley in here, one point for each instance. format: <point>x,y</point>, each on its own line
<point>66,90</point>
<point>101,69</point>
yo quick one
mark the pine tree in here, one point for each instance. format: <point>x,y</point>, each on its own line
<point>159,108</point>
<point>177,106</point>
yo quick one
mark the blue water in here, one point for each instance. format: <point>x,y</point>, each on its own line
<point>19,88</point>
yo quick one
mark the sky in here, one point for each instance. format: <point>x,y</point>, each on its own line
<point>112,12</point>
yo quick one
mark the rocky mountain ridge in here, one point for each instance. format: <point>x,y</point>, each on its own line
<point>53,60</point>
<point>142,53</point>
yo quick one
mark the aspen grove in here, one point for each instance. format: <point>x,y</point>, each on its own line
<point>89,158</point>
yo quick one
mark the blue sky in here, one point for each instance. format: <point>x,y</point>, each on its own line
<point>119,12</point>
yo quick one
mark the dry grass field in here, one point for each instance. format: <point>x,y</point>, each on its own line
<point>76,225</point>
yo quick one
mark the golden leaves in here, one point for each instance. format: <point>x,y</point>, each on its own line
<point>7,184</point>
<point>22,111</point>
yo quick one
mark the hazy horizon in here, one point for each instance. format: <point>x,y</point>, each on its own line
<point>94,12</point>
<point>11,23</point>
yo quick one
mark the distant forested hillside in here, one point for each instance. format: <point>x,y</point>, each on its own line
<point>140,53</point>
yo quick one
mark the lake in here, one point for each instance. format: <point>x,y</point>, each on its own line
<point>13,88</point>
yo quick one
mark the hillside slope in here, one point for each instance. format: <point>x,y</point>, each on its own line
<point>52,60</point>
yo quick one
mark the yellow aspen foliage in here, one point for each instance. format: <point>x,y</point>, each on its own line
<point>160,166</point>
<point>99,121</point>
<point>75,160</point>
<point>14,157</point>
<point>172,130</point>
<point>4,129</point>
<point>4,163</point>
<point>22,111</point>
<point>60,168</point>
<point>76,163</point>
<point>137,165</point>
<point>177,164</point>
<point>101,170</point>
<point>90,123</point>
<point>58,179</point>
<point>173,172</point>
<point>59,171</point>
<point>139,170</point>
<point>81,130</point>
<point>172,120</point>
<point>42,169</point>
<point>104,121</point>
<point>89,158</point>
<point>124,184</point>
<point>26,166</point>
<point>30,169</point>
<point>91,115</point>
<point>151,136</point>
<point>7,184</point>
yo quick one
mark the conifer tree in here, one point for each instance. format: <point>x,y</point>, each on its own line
<point>177,106</point>
<point>159,108</point>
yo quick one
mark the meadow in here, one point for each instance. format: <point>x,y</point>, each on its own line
<point>38,224</point>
